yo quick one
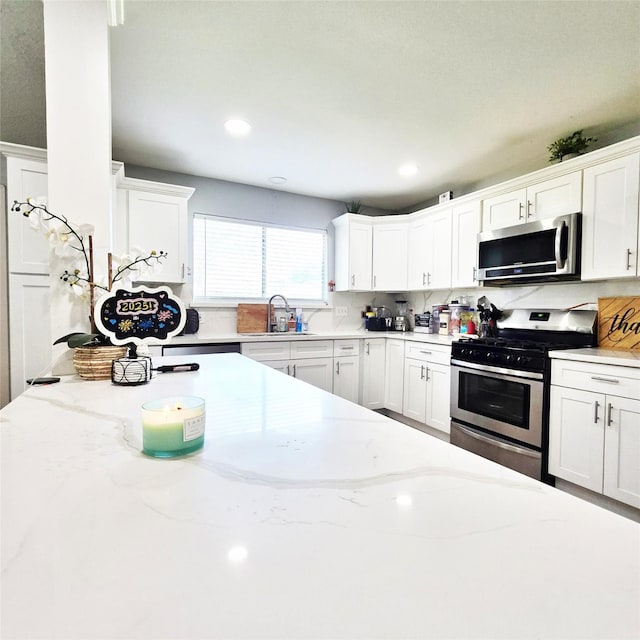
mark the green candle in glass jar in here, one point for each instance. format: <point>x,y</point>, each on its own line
<point>173,426</point>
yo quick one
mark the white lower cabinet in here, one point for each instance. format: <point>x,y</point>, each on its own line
<point>308,360</point>
<point>427,379</point>
<point>346,369</point>
<point>373,373</point>
<point>394,375</point>
<point>594,428</point>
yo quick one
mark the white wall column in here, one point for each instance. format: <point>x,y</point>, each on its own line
<point>78,135</point>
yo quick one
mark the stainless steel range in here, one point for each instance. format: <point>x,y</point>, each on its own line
<point>500,386</point>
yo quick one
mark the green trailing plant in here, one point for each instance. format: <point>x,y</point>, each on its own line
<point>575,143</point>
<point>354,206</point>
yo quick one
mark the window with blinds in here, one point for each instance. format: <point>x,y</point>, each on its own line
<point>243,260</point>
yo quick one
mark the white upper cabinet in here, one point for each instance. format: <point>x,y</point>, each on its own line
<point>353,252</point>
<point>390,240</point>
<point>465,219</point>
<point>29,248</point>
<point>155,217</point>
<point>610,219</point>
<point>429,257</point>
<point>556,196</point>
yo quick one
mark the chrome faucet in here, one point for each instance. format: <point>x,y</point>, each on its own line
<point>271,325</point>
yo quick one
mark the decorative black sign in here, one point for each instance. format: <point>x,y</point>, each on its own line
<point>140,315</point>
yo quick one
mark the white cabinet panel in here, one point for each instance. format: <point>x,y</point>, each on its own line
<point>504,210</point>
<point>311,349</point>
<point>316,371</point>
<point>394,375</point>
<point>465,219</point>
<point>353,252</point>
<point>30,344</point>
<point>159,222</point>
<point>263,351</point>
<point>373,373</point>
<point>415,390</point>
<point>622,450</point>
<point>429,253</point>
<point>390,241</point>
<point>346,377</point>
<point>576,438</point>
<point>419,258</point>
<point>610,219</point>
<point>438,405</point>
<point>28,248</point>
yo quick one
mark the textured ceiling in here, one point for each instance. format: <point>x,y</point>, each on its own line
<point>341,93</point>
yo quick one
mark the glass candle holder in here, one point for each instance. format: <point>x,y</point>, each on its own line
<point>172,426</point>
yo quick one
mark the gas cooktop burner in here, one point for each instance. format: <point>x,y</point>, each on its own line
<point>512,343</point>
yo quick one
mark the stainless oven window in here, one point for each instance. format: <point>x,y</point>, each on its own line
<point>495,398</point>
<point>507,404</point>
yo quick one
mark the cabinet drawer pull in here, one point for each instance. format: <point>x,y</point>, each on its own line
<point>595,417</point>
<point>427,353</point>
<point>345,348</point>
<point>601,379</point>
<point>609,418</point>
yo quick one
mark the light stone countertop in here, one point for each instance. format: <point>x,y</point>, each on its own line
<point>195,339</point>
<point>304,516</point>
<point>620,357</point>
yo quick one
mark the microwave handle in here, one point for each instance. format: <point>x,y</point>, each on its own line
<point>558,245</point>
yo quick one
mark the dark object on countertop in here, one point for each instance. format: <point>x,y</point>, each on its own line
<point>170,368</point>
<point>35,381</point>
<point>192,323</point>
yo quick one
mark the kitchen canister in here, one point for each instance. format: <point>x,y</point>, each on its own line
<point>436,309</point>
<point>443,323</point>
<point>456,312</point>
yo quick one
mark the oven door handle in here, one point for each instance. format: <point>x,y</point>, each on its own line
<point>497,443</point>
<point>532,375</point>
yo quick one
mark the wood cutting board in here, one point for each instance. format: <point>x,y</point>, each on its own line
<point>252,318</point>
<point>619,323</point>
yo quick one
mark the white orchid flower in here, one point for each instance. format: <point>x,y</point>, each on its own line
<point>77,290</point>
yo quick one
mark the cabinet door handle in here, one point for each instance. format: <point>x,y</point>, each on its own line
<point>595,417</point>
<point>529,208</point>
<point>421,372</point>
<point>628,259</point>
<point>338,367</point>
<point>294,370</point>
<point>182,271</point>
<point>601,379</point>
<point>368,344</point>
<point>474,274</point>
<point>374,281</point>
<point>353,280</point>
<point>521,212</point>
<point>428,278</point>
<point>288,370</point>
<point>424,278</point>
<point>427,370</point>
<point>609,418</point>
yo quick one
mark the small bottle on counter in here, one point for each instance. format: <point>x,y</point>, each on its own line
<point>291,324</point>
<point>298,320</point>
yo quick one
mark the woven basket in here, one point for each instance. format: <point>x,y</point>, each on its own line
<point>94,363</point>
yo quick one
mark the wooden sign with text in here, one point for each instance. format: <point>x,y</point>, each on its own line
<point>619,323</point>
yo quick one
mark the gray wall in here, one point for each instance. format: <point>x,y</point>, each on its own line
<point>246,202</point>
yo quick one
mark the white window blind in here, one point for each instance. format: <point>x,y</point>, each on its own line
<point>238,259</point>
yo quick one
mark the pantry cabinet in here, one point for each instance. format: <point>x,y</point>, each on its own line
<point>610,219</point>
<point>556,196</point>
<point>154,216</point>
<point>427,379</point>
<point>373,373</point>
<point>594,428</point>
<point>353,252</point>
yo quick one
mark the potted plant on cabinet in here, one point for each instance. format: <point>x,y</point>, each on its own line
<point>569,147</point>
<point>354,206</point>
<point>93,351</point>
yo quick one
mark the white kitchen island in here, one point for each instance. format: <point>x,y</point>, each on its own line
<point>304,516</point>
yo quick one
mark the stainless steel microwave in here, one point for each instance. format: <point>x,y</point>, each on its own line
<point>545,250</point>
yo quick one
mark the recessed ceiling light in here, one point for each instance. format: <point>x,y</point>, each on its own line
<point>408,169</point>
<point>277,179</point>
<point>237,127</point>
